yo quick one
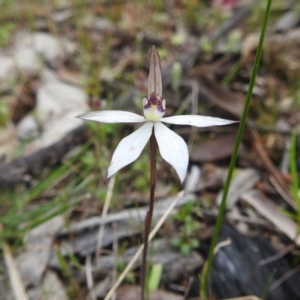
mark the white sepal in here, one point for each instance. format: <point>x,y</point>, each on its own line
<point>113,116</point>
<point>130,148</point>
<point>172,148</point>
<point>154,79</point>
<point>195,120</point>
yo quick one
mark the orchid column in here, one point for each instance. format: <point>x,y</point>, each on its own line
<point>171,146</point>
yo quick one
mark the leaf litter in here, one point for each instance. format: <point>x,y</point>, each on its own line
<point>76,58</point>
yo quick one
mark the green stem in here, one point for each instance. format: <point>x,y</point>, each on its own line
<point>148,218</point>
<point>294,172</point>
<point>235,151</point>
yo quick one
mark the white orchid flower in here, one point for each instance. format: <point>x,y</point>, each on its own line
<point>172,147</point>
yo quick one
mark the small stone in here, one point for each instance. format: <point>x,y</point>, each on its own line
<point>52,288</point>
<point>27,128</point>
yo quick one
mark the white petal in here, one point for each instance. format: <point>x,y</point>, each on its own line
<point>195,120</point>
<point>172,148</point>
<point>112,116</point>
<point>130,148</point>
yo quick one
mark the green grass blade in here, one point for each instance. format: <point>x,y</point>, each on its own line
<point>155,277</point>
<point>235,151</point>
<point>294,173</point>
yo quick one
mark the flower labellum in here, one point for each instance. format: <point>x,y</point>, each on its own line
<point>154,107</point>
<point>172,147</point>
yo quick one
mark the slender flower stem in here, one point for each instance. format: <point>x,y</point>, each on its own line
<point>148,218</point>
<point>140,250</point>
<point>222,208</point>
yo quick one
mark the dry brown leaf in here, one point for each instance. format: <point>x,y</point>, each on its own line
<point>250,44</point>
<point>219,148</point>
<point>211,90</point>
<point>272,212</point>
<point>280,182</point>
<point>227,100</point>
<point>243,181</point>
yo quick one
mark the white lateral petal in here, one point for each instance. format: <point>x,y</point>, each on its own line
<point>130,148</point>
<point>195,120</point>
<point>172,148</point>
<point>113,116</point>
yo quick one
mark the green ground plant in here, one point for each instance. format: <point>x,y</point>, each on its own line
<point>294,187</point>
<point>186,241</point>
